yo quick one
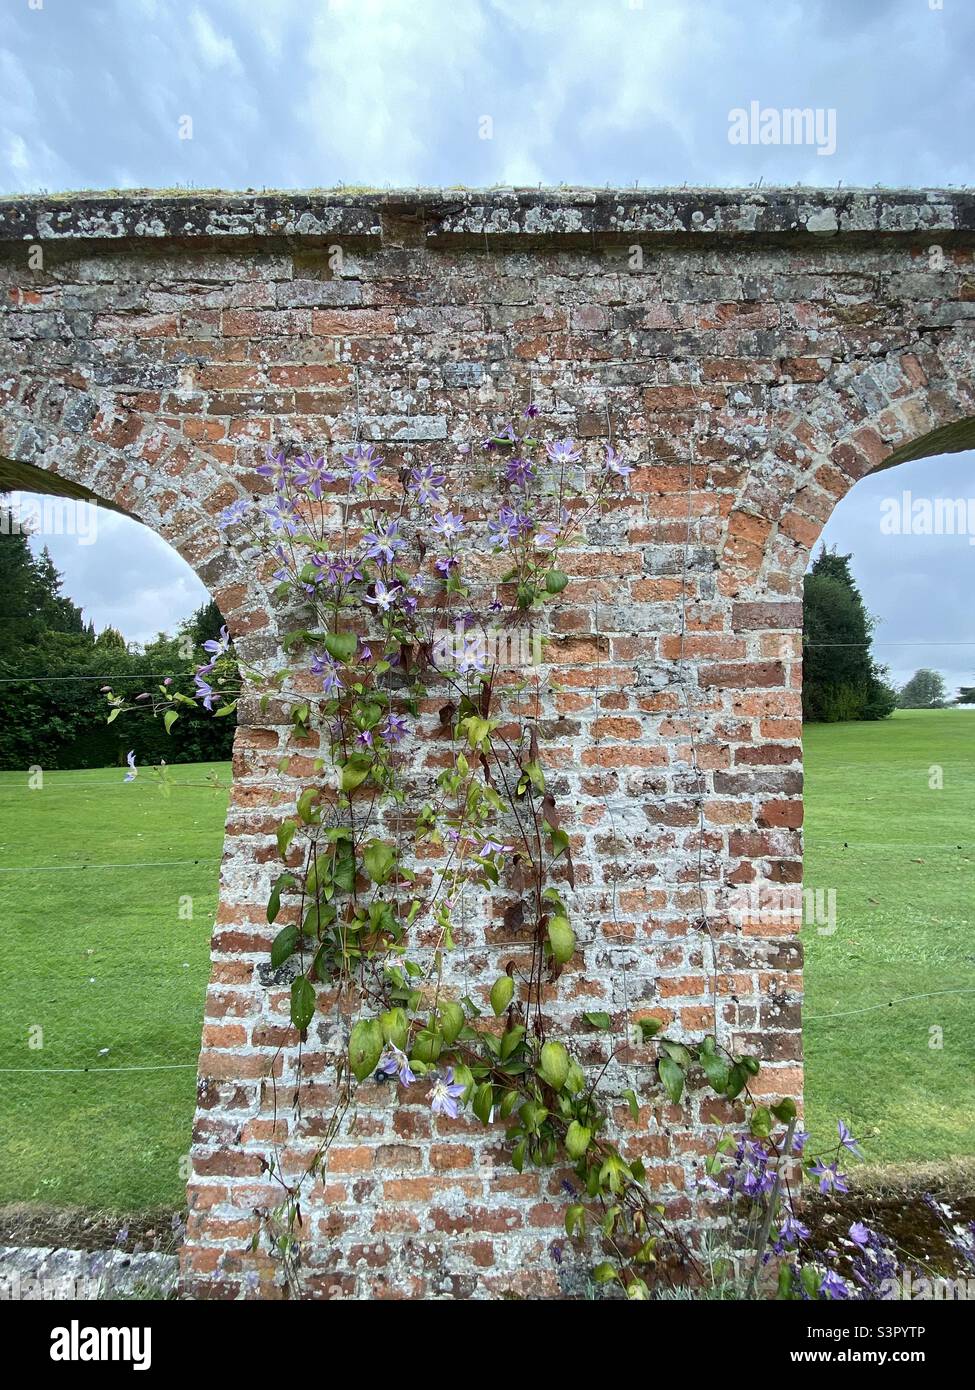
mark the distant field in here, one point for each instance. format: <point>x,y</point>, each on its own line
<point>905,893</point>
<point>100,958</point>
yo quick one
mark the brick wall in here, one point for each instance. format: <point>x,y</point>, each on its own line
<point>760,351</point>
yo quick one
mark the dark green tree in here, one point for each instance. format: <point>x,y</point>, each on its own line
<point>925,690</point>
<point>841,681</point>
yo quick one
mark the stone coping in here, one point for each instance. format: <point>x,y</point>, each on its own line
<point>412,217</point>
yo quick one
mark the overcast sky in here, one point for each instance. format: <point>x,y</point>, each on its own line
<point>313,93</point>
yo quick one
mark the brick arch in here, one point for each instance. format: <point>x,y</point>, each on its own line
<point>864,417</point>
<point>55,438</point>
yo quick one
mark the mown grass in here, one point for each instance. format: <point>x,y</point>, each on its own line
<point>898,974</point>
<point>102,958</point>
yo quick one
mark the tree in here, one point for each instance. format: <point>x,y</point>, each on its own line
<point>925,690</point>
<point>841,681</point>
<point>966,695</point>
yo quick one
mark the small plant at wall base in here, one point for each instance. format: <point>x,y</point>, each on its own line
<point>404,612</point>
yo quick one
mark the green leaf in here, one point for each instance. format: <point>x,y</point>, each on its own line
<point>451,1020</point>
<point>575,1220</point>
<point>553,1064</point>
<point>649,1027</point>
<point>365,1047</point>
<point>761,1122</point>
<point>378,857</point>
<point>672,1076</point>
<point>283,945</point>
<point>605,1273</point>
<point>170,718</point>
<point>633,1103</point>
<point>341,645</point>
<point>483,1102</point>
<point>555,581</point>
<point>512,1040</point>
<point>533,1115</point>
<point>715,1070</point>
<point>393,1024</point>
<point>501,992</point>
<point>561,939</point>
<point>302,1002</point>
<point>785,1111</point>
<point>274,901</point>
<point>600,1020</point>
<point>286,833</point>
<point>577,1139</point>
<point>353,775</point>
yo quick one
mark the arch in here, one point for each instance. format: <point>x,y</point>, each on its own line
<point>58,439</point>
<point>865,416</point>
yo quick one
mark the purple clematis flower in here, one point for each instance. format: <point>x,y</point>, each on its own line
<point>493,847</point>
<point>447,525</point>
<point>384,599</point>
<point>276,467</point>
<point>519,472</point>
<point>615,463</point>
<point>445,1094</point>
<point>563,451</point>
<point>833,1286</point>
<point>508,527</point>
<point>204,692</point>
<point>799,1140</point>
<point>218,645</point>
<point>234,513</point>
<point>847,1140</point>
<point>363,462</point>
<point>312,474</point>
<point>792,1230</point>
<point>427,483</point>
<point>281,514</point>
<point>323,665</point>
<point>530,411</point>
<point>133,771</point>
<point>394,728</point>
<point>830,1179</point>
<point>860,1234</point>
<point>394,1062</point>
<point>384,542</point>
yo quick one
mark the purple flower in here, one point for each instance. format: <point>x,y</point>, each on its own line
<point>218,645</point>
<point>563,451</point>
<point>281,514</point>
<point>232,514</point>
<point>830,1179</point>
<point>799,1140</point>
<point>847,1140</point>
<point>792,1230</point>
<point>508,527</point>
<point>204,692</point>
<point>505,435</point>
<point>493,847</point>
<point>519,472</point>
<point>276,467</point>
<point>362,462</point>
<point>394,729</point>
<point>427,483</point>
<point>833,1286</point>
<point>860,1234</point>
<point>447,525</point>
<point>384,542</point>
<point>383,599</point>
<point>394,1062</point>
<point>312,474</point>
<point>133,771</point>
<point>336,569</point>
<point>530,411</point>
<point>323,665</point>
<point>615,463</point>
<point>445,1094</point>
<point>448,563</point>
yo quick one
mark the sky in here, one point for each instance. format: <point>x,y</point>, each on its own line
<point>317,93</point>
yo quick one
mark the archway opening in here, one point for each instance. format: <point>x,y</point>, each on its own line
<point>889,849</point>
<point>108,880</point>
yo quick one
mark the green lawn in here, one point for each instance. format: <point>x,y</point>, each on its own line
<point>101,958</point>
<point>905,926</point>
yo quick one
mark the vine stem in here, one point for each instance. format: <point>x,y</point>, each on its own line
<point>770,1209</point>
